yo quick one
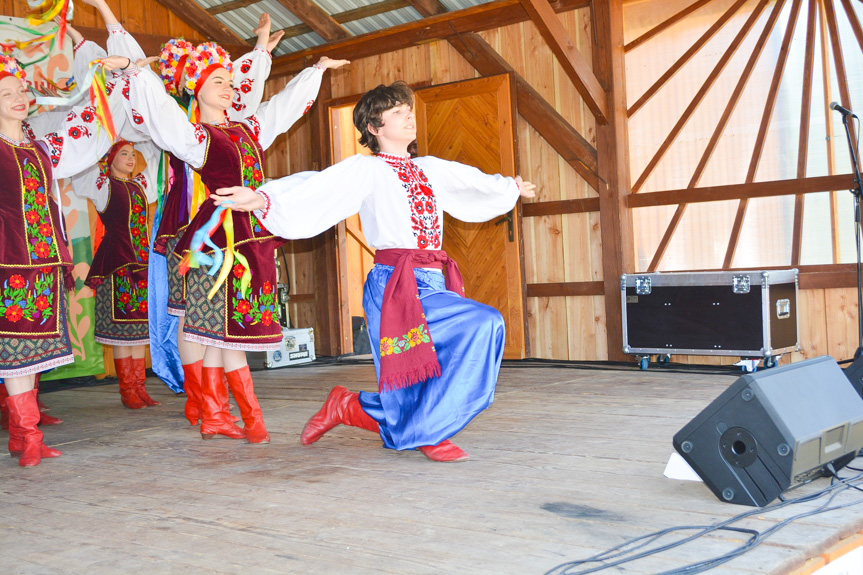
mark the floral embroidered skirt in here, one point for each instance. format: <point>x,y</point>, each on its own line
<point>468,337</point>
<point>233,319</point>
<point>33,331</point>
<point>121,309</point>
<point>176,282</point>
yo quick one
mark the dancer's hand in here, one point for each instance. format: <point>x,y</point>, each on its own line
<point>525,189</point>
<point>275,38</point>
<point>116,62</point>
<point>145,62</point>
<point>263,29</point>
<point>330,64</point>
<point>244,199</point>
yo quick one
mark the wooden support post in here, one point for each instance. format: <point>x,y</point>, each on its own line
<point>613,162</point>
<point>316,18</point>
<point>328,325</point>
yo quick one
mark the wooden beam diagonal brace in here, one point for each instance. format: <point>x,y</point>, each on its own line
<point>192,14</point>
<point>316,18</point>
<point>577,68</point>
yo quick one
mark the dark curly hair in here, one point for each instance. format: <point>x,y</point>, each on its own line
<point>373,104</point>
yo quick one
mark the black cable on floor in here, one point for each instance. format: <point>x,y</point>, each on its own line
<point>609,558</point>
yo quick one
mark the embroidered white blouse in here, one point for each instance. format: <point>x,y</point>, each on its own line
<point>166,123</point>
<point>400,200</point>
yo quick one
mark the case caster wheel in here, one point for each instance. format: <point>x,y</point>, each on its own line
<point>644,362</point>
<point>770,362</point>
<point>663,359</point>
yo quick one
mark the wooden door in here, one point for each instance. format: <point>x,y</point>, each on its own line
<point>472,122</point>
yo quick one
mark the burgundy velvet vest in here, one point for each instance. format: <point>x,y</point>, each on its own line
<point>34,240</point>
<point>126,240</point>
<point>175,212</point>
<point>234,158</point>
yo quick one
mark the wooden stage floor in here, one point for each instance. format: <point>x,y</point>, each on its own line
<point>568,462</point>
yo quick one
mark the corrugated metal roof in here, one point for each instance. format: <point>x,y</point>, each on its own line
<point>381,21</point>
<point>242,21</point>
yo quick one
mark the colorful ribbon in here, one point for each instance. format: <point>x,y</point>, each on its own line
<point>52,9</point>
<point>95,85</point>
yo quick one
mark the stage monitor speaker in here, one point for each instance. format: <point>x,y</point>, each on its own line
<point>854,373</point>
<point>774,429</point>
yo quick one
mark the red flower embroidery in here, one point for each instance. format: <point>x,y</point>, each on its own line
<point>268,288</point>
<point>142,306</point>
<point>200,133</point>
<point>16,281</point>
<point>124,297</point>
<point>258,175</point>
<point>308,107</point>
<point>243,306</point>
<point>238,270</point>
<point>32,216</point>
<point>14,313</point>
<point>142,220</point>
<point>142,284</point>
<point>78,131</point>
<point>245,66</point>
<point>87,115</point>
<point>239,106</point>
<point>136,232</point>
<point>246,86</point>
<point>45,229</point>
<point>143,255</point>
<point>266,317</point>
<point>40,199</point>
<point>31,183</point>
<point>45,270</point>
<point>137,208</point>
<point>126,90</point>
<point>42,302</point>
<point>121,272</point>
<point>137,118</point>
<point>248,161</point>
<point>422,242</point>
<point>42,250</point>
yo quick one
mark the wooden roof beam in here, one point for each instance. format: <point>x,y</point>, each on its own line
<point>428,7</point>
<point>316,18</point>
<point>349,16</point>
<point>228,6</point>
<point>441,27</point>
<point>192,14</point>
<point>577,68</point>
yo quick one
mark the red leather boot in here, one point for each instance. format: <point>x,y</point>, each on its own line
<point>240,382</point>
<point>128,391</point>
<point>140,369</point>
<point>341,407</point>
<point>192,387</point>
<point>24,418</point>
<point>444,451</point>
<point>4,411</point>
<point>44,418</point>
<point>215,419</point>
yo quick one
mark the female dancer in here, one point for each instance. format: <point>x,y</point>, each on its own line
<point>437,353</point>
<point>118,273</point>
<point>35,265</point>
<point>233,316</point>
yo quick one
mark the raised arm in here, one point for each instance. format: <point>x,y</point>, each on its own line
<point>305,204</point>
<point>251,71</point>
<point>158,116</point>
<point>277,115</point>
<point>469,194</point>
<point>92,185</point>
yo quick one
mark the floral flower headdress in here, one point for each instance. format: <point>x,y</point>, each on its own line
<point>203,61</point>
<point>172,61</point>
<point>10,67</point>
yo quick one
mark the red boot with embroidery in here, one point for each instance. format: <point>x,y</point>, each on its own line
<point>215,419</point>
<point>140,369</point>
<point>25,439</point>
<point>128,386</point>
<point>341,407</point>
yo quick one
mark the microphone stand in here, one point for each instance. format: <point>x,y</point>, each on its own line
<point>857,191</point>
